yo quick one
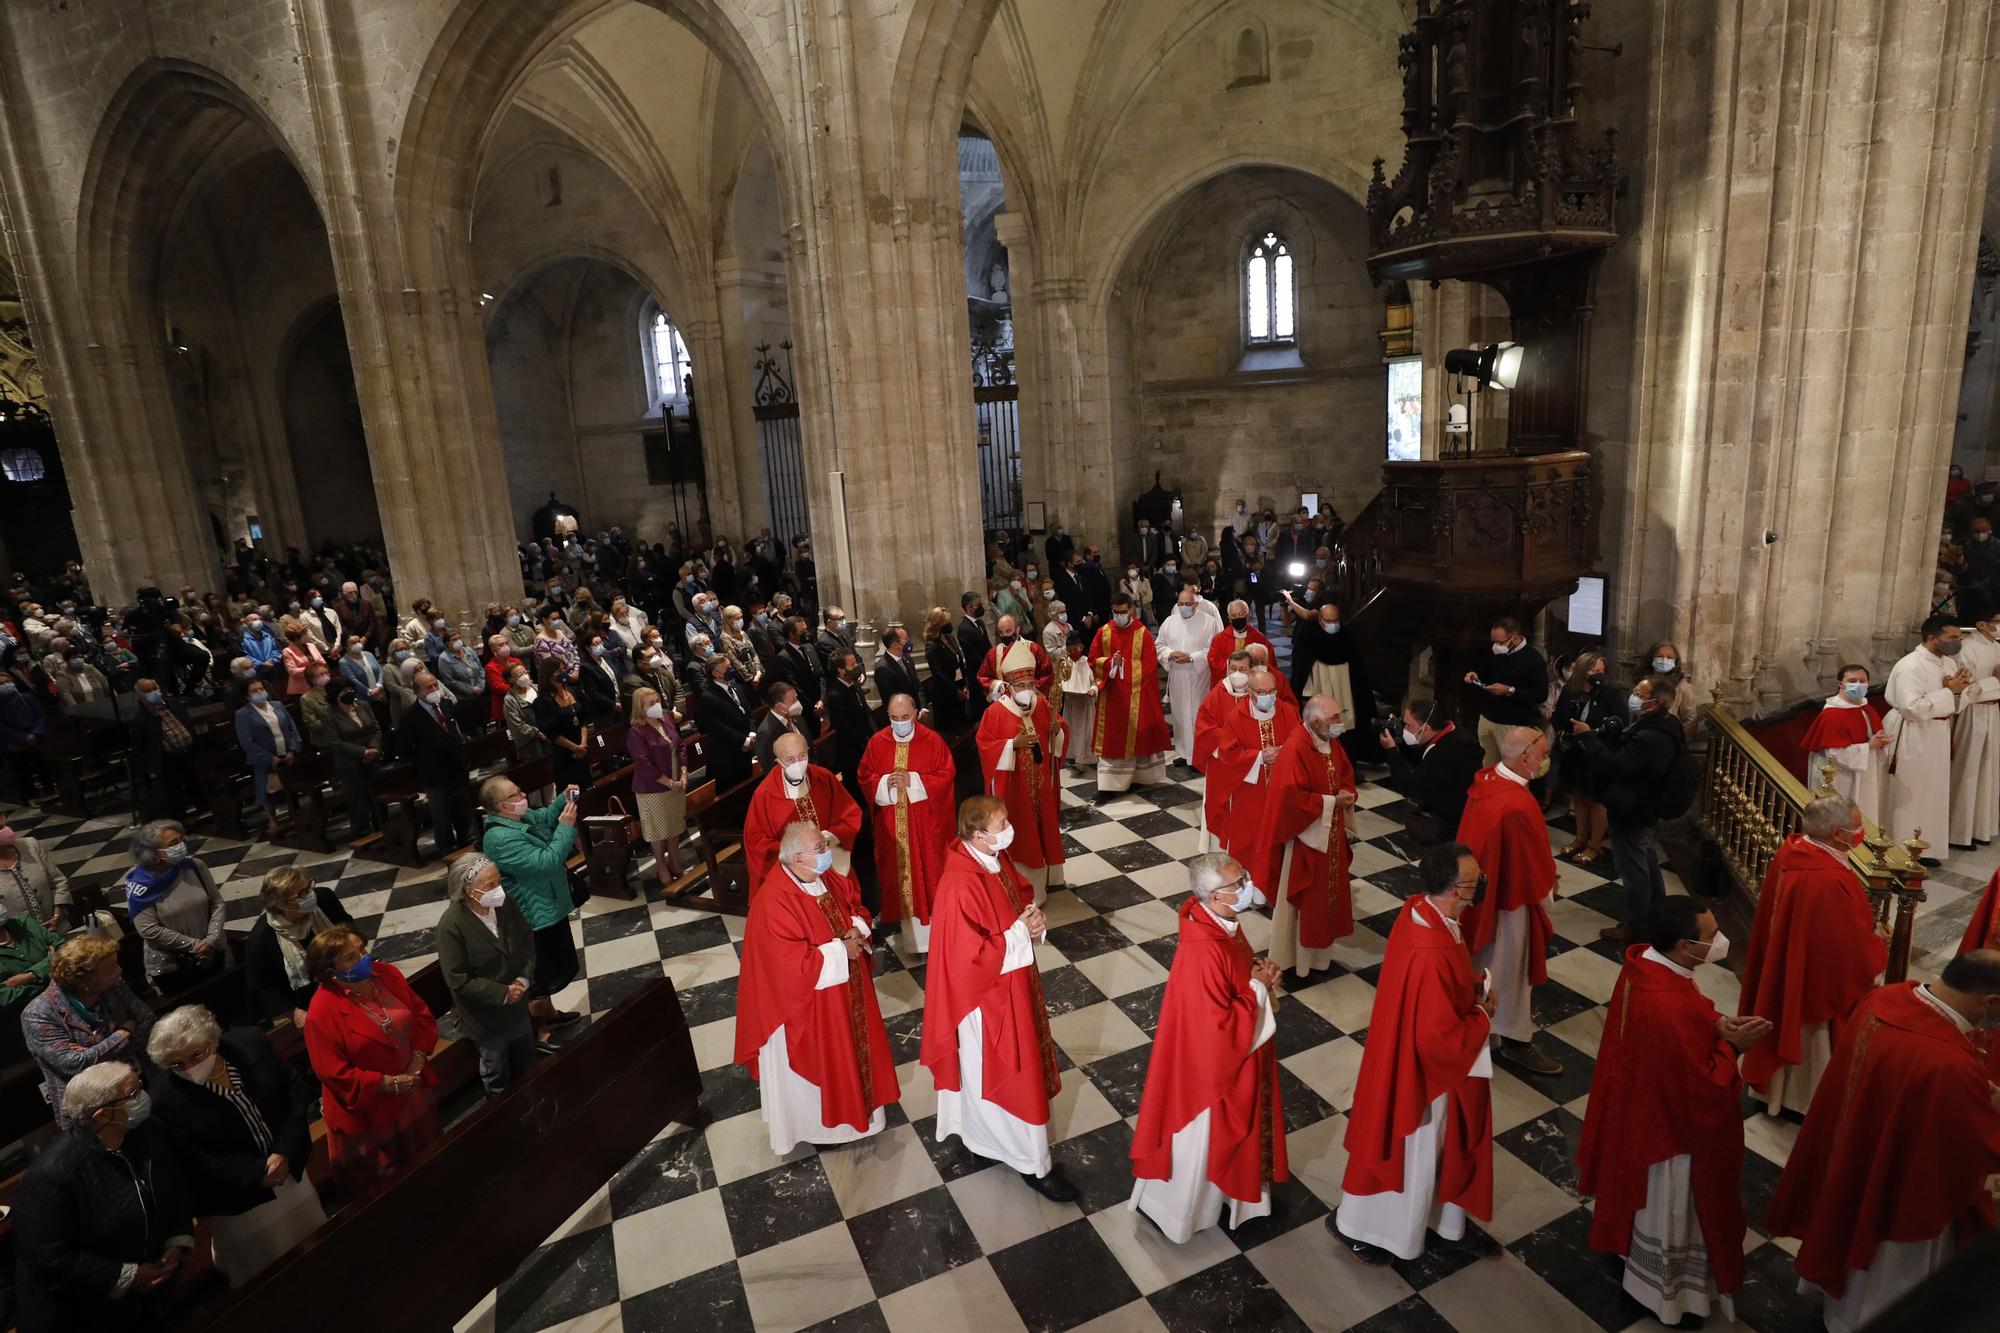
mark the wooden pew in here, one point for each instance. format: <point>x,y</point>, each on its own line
<point>490,1193</point>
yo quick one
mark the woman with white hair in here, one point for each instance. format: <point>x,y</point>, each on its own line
<point>101,1219</point>
<point>241,1120</point>
<point>173,903</point>
<point>487,954</point>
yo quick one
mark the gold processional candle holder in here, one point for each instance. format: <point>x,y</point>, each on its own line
<point>1826,773</point>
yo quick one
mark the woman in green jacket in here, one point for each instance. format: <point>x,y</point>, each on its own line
<point>532,849</point>
<point>487,955</point>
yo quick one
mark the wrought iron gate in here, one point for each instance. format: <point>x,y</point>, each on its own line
<point>777,411</point>
<point>996,400</point>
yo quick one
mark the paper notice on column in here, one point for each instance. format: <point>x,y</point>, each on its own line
<point>1586,607</point>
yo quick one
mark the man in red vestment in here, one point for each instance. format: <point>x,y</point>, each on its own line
<point>796,789</point>
<point>908,773</point>
<point>808,1026</point>
<point>1420,1134</point>
<point>1132,738</point>
<point>986,1024</point>
<point>1508,932</point>
<point>1251,739</point>
<point>1662,1146</point>
<point>1304,838</point>
<point>1888,1178</point>
<point>990,672</point>
<point>1211,1120</point>
<point>1020,753</point>
<point>1227,695</point>
<point>1815,950</point>
<point>1236,636</point>
<point>1983,932</point>
<point>1260,660</point>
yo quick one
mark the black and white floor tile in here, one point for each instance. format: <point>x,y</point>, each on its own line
<point>707,1230</point>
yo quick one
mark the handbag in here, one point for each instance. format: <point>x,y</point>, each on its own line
<point>608,858</point>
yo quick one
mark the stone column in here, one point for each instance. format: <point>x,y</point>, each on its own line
<point>1812,185</point>
<point>739,285</point>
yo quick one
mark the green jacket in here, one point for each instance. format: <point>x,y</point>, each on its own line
<point>29,947</point>
<point>478,966</point>
<point>531,853</point>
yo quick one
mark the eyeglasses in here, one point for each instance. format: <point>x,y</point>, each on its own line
<point>188,1061</point>
<point>1477,885</point>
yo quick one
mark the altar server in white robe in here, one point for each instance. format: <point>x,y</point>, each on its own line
<point>1923,695</point>
<point>1183,639</point>
<point>1975,751</point>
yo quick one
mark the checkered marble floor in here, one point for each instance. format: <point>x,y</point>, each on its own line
<point>708,1230</point>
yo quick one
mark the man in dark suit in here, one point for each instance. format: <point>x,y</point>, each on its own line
<point>722,716</point>
<point>853,721</point>
<point>800,663</point>
<point>163,750</point>
<point>1057,546</point>
<point>1096,587</point>
<point>1432,763</point>
<point>429,738</point>
<point>784,714</point>
<point>973,646</point>
<point>895,670</point>
<point>835,638</point>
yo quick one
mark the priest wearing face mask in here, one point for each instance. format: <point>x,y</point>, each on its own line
<point>1245,764</point>
<point>808,1025</point>
<point>1926,689</point>
<point>1238,634</point>
<point>990,669</point>
<point>1889,1176</point>
<point>1975,748</point>
<point>908,776</point>
<point>1212,1119</point>
<point>1130,736</point>
<point>1662,1146</point>
<point>1326,660</point>
<point>1848,733</point>
<point>1815,952</point>
<point>1420,1133</point>
<point>1021,742</point>
<point>1508,932</point>
<point>1304,835</point>
<point>986,1022</point>
<point>1230,695</point>
<point>1184,638</point>
<point>796,790</point>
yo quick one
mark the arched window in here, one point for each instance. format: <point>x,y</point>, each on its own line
<point>1270,297</point>
<point>666,358</point>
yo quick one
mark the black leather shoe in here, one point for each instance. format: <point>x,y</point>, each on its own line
<point>1052,1186</point>
<point>1372,1255</point>
<point>1476,1243</point>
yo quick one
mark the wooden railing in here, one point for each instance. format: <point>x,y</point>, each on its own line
<point>1750,803</point>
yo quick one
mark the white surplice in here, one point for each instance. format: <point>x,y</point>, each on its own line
<point>1919,794</point>
<point>1861,771</point>
<point>1506,962</point>
<point>790,1104</point>
<point>1188,1201</point>
<point>1975,751</point>
<point>1187,682</point>
<point>1396,1220</point>
<point>984,1127</point>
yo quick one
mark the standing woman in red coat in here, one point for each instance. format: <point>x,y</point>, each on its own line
<point>499,666</point>
<point>369,1038</point>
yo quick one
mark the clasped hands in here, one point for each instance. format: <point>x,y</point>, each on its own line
<point>1743,1033</point>
<point>1264,970</point>
<point>1037,924</point>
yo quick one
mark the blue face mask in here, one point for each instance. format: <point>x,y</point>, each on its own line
<point>1664,665</point>
<point>361,971</point>
<point>318,602</point>
<point>597,650</point>
<point>824,862</point>
<point>1635,705</point>
<point>308,902</point>
<point>151,696</point>
<point>1856,690</point>
<point>177,852</point>
<point>1186,612</point>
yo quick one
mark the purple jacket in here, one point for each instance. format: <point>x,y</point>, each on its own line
<point>654,759</point>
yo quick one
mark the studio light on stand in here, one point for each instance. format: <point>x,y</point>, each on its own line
<point>1475,369</point>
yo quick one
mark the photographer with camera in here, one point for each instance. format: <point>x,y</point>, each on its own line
<point>1641,773</point>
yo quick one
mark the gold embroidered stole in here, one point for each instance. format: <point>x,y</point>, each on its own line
<point>904,880</point>
<point>860,974</point>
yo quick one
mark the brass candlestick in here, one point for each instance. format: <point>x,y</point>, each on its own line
<point>1826,772</point>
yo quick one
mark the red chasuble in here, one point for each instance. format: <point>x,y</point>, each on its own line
<point>1504,829</point>
<point>1217,704</point>
<point>1426,1031</point>
<point>1202,1061</point>
<point>1897,1145</point>
<point>1229,641</point>
<point>1318,885</point>
<point>989,667</point>
<point>825,805</point>
<point>1665,1084</point>
<point>971,912</point>
<point>1130,724</point>
<point>1983,932</point>
<point>1813,953</point>
<point>1836,728</point>
<point>1243,739</point>
<point>834,1038</point>
<point>910,839</point>
<point>1030,789</point>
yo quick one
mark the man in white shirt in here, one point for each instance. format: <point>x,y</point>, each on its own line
<point>1184,636</point>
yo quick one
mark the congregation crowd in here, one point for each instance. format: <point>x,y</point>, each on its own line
<point>711,665</point>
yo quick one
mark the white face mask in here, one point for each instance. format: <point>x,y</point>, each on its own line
<point>795,772</point>
<point>1123,618</point>
<point>1003,839</point>
<point>1409,737</point>
<point>1499,650</point>
<point>198,1073</point>
<point>655,711</point>
<point>902,729</point>
<point>434,698</point>
<point>1237,681</point>
<point>1718,948</point>
<point>1263,705</point>
<point>1246,897</point>
<point>1024,697</point>
<point>492,898</point>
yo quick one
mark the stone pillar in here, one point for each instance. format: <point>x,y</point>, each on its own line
<point>878,303</point>
<point>737,286</point>
<point>1813,183</point>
